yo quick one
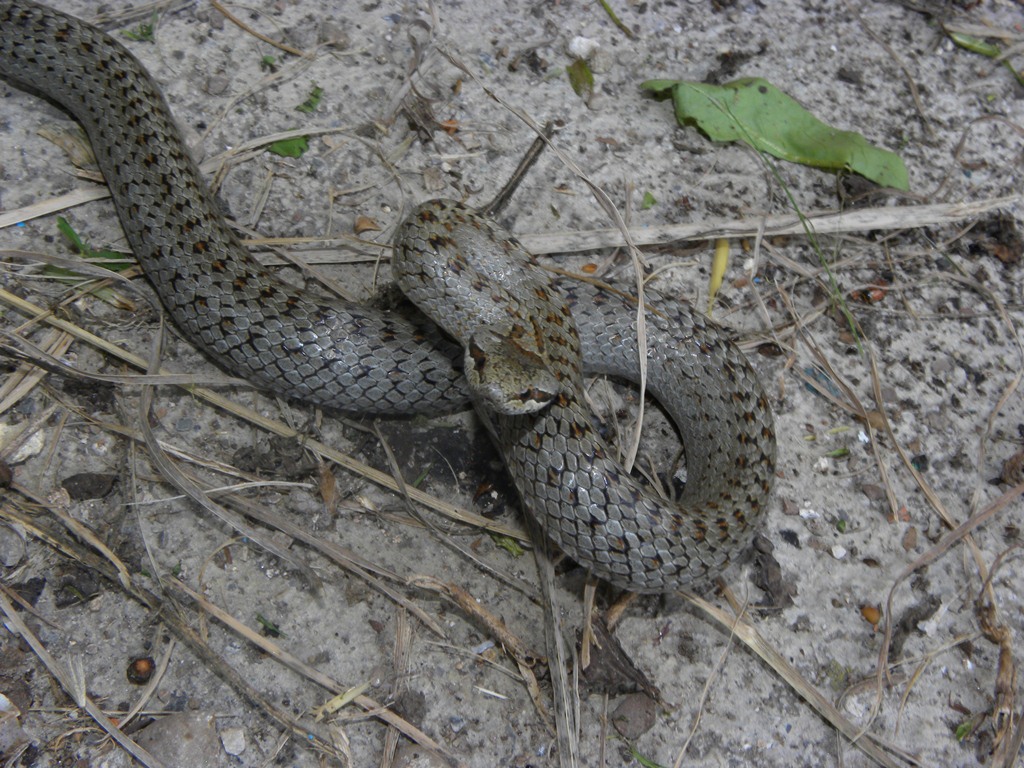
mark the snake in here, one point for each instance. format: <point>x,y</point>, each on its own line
<point>505,335</point>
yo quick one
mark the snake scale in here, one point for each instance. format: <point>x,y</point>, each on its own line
<point>537,339</point>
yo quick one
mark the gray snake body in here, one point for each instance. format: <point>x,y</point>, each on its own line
<point>357,359</point>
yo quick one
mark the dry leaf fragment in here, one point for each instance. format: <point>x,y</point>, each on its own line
<point>366,224</point>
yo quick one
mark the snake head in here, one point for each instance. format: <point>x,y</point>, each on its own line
<point>507,378</point>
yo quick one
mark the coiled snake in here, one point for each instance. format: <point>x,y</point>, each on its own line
<point>524,334</point>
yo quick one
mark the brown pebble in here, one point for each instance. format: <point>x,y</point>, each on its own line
<point>140,670</point>
<point>635,716</point>
<point>88,485</point>
<point>1013,469</point>
<point>872,615</point>
<point>872,491</point>
<point>910,539</point>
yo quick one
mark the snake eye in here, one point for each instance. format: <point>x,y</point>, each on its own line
<point>534,398</point>
<point>476,355</point>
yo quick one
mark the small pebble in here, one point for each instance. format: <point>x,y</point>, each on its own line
<point>233,740</point>
<point>583,47</point>
<point>910,539</point>
<point>12,547</point>
<point>217,84</point>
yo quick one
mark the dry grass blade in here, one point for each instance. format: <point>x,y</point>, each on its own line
<point>565,693</point>
<point>177,478</point>
<point>479,614</point>
<point>48,360</point>
<point>28,375</point>
<point>315,675</point>
<point>439,536</point>
<point>401,660</point>
<point>147,693</point>
<point>750,637</point>
<point>825,223</point>
<point>960,533</point>
<point>346,559</point>
<point>174,620</point>
<point>271,425</point>
<point>74,686</point>
<point>249,30</point>
<point>1004,712</point>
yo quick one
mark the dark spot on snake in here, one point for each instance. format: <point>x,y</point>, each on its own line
<point>239,282</point>
<point>200,246</point>
<point>427,216</point>
<point>439,242</point>
<point>218,266</point>
<point>700,531</point>
<point>478,356</point>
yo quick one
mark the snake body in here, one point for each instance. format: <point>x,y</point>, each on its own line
<point>461,268</point>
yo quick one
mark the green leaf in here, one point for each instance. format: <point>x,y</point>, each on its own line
<point>79,245</point>
<point>270,629</point>
<point>144,32</point>
<point>754,111</point>
<point>111,260</point>
<point>313,101</point>
<point>977,45</point>
<point>648,202</point>
<point>290,147</point>
<point>645,762</point>
<point>581,78</point>
<point>507,543</point>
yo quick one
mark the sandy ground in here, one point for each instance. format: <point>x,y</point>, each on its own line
<point>889,436</point>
